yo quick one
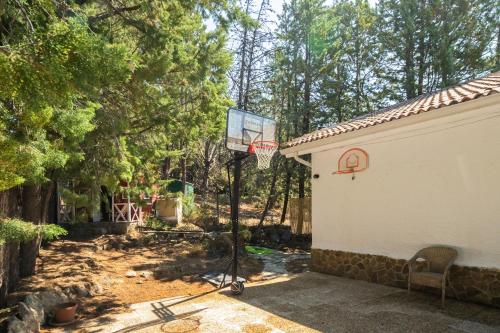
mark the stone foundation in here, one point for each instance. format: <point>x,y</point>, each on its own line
<point>83,230</point>
<point>479,285</point>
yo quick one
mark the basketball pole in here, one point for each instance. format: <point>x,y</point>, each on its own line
<point>235,210</point>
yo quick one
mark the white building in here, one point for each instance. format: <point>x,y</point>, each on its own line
<point>430,176</point>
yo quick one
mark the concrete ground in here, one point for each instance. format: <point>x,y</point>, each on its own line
<point>307,302</point>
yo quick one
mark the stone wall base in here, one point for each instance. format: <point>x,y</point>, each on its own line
<point>481,285</point>
<point>83,230</point>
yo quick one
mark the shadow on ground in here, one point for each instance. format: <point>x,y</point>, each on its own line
<point>332,304</point>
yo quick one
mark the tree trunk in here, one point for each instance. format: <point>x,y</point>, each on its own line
<point>497,58</point>
<point>251,55</point>
<point>243,60</point>
<point>4,271</point>
<point>357,79</point>
<point>306,119</point>
<point>271,197</point>
<point>165,168</point>
<point>288,179</point>
<point>32,210</point>
<point>207,161</point>
<point>13,249</point>
<point>47,196</point>
<point>183,174</point>
<point>409,67</point>
<point>421,50</point>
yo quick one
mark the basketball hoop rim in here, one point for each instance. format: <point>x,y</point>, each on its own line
<point>264,144</point>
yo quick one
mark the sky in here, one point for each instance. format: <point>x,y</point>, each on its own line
<point>277,6</point>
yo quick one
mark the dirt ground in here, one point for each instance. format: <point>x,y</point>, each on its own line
<point>162,269</point>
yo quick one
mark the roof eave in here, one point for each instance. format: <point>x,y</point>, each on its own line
<point>312,146</point>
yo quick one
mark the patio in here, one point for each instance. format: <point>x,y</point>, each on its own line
<point>307,302</point>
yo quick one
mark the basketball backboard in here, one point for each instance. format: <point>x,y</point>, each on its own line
<point>244,128</point>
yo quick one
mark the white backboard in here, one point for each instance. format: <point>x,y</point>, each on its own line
<point>244,127</point>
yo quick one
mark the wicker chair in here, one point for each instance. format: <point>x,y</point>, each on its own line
<point>438,260</point>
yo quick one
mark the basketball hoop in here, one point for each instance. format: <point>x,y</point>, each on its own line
<point>264,150</point>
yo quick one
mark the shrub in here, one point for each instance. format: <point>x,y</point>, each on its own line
<point>16,230</point>
<point>157,224</point>
<point>52,232</point>
<point>245,235</point>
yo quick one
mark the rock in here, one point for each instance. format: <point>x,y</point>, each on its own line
<point>107,247</point>
<point>43,302</point>
<point>17,326</point>
<point>91,263</point>
<point>131,274</point>
<point>274,236</point>
<point>146,274</point>
<point>286,236</point>
<point>95,289</point>
<point>140,282</point>
<point>80,290</point>
<point>219,245</point>
<point>29,322</point>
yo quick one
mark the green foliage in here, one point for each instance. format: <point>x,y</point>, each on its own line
<point>52,232</point>
<point>100,96</point>
<point>107,92</point>
<point>52,75</point>
<point>16,230</point>
<point>157,224</point>
<point>188,206</point>
<point>245,235</point>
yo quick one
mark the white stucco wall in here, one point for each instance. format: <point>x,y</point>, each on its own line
<point>436,182</point>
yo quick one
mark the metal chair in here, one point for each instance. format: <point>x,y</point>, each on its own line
<point>438,260</point>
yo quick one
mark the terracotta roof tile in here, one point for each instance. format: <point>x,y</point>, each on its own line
<point>458,94</point>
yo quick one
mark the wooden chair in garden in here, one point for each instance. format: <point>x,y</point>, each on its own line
<point>437,261</point>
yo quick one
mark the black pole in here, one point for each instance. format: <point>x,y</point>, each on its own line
<point>235,210</point>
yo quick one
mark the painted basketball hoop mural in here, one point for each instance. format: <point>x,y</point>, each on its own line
<point>352,161</point>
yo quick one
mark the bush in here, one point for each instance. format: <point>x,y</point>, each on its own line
<point>157,224</point>
<point>245,235</point>
<point>188,206</point>
<point>52,232</point>
<point>16,230</point>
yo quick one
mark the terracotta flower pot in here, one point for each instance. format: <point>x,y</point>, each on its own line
<point>65,313</point>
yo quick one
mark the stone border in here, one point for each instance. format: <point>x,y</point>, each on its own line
<point>481,285</point>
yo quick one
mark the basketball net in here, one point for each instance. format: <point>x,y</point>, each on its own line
<point>264,150</point>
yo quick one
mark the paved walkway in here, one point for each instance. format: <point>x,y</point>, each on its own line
<point>307,302</point>
<point>275,263</point>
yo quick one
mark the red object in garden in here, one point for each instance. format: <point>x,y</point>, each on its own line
<point>65,313</point>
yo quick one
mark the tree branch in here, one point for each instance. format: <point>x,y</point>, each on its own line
<point>114,11</point>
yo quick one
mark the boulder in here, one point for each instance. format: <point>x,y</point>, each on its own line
<point>274,236</point>
<point>29,321</point>
<point>286,235</point>
<point>17,326</point>
<point>219,245</point>
<point>95,289</point>
<point>91,263</point>
<point>146,274</point>
<point>43,302</point>
<point>131,274</point>
<point>81,290</point>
